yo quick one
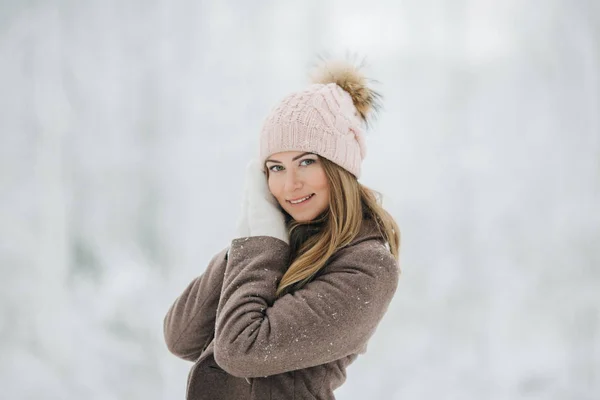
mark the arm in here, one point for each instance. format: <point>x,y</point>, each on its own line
<point>329,318</point>
<point>189,323</point>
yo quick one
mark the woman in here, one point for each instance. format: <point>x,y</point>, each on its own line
<point>292,302</point>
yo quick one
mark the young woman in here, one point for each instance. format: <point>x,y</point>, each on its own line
<point>294,299</point>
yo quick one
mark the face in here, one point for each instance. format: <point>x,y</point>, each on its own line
<point>298,182</point>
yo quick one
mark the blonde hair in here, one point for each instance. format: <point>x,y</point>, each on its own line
<point>314,242</point>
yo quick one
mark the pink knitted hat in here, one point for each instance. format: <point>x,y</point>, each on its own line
<point>327,118</point>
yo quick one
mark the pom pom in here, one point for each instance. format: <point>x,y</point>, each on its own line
<point>349,77</point>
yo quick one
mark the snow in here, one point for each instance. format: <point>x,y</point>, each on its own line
<point>125,129</point>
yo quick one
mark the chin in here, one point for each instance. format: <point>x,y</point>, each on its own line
<point>300,219</point>
<point>304,217</point>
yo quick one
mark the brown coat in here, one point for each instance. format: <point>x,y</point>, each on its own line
<point>246,344</point>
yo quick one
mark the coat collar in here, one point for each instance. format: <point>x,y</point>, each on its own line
<point>369,230</point>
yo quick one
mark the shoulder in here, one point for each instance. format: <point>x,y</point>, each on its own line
<point>371,263</point>
<point>370,247</point>
<point>372,252</point>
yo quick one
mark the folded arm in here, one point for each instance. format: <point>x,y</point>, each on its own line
<point>329,318</point>
<point>189,324</point>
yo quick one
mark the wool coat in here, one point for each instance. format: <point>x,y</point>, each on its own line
<point>246,344</point>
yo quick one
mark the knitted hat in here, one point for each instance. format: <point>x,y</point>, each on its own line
<point>327,118</point>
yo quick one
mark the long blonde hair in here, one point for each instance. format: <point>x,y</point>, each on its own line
<point>313,243</point>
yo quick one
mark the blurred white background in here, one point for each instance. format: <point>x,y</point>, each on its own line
<point>125,127</point>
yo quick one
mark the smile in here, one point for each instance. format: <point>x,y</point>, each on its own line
<point>302,200</point>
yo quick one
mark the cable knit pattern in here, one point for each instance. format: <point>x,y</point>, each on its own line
<point>321,119</point>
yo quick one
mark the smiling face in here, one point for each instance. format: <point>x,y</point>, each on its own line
<point>298,182</point>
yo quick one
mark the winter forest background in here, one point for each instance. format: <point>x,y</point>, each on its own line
<point>125,127</point>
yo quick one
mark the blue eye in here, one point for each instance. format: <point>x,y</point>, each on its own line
<point>308,161</point>
<point>272,169</point>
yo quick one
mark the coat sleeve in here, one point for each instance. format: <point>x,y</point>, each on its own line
<point>189,324</point>
<point>331,317</point>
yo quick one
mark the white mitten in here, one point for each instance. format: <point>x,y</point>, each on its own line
<point>261,215</point>
<point>242,229</point>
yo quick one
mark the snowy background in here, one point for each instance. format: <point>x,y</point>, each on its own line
<point>125,127</point>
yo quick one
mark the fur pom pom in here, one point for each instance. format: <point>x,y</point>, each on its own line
<point>349,77</point>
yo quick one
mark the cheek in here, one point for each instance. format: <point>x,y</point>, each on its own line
<point>274,187</point>
<point>320,181</point>
<point>271,185</point>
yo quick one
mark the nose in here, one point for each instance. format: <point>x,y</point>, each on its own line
<point>292,181</point>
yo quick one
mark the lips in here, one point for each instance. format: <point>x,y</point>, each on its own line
<point>301,200</point>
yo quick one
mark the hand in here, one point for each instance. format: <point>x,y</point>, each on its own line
<point>261,214</point>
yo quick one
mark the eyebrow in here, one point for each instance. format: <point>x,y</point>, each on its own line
<point>293,159</point>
